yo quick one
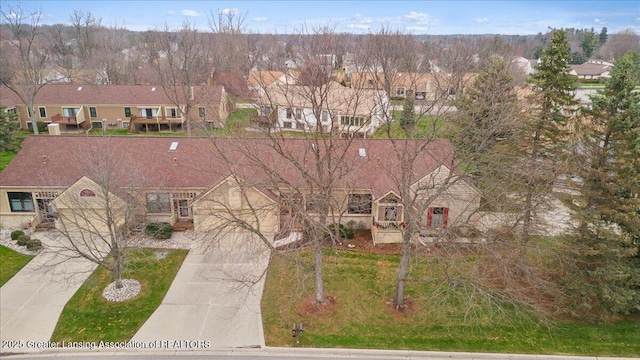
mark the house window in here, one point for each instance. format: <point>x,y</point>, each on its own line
<point>96,124</point>
<point>12,111</point>
<point>172,113</point>
<point>353,121</point>
<point>70,112</point>
<point>312,204</point>
<point>359,204</point>
<point>390,213</point>
<point>158,203</point>
<point>43,111</point>
<point>298,114</point>
<point>291,203</point>
<point>127,112</point>
<point>20,201</point>
<point>289,113</point>
<point>400,91</point>
<point>287,125</point>
<point>202,112</point>
<point>125,124</point>
<point>437,217</point>
<point>421,95</point>
<point>93,111</point>
<point>87,192</point>
<point>325,116</point>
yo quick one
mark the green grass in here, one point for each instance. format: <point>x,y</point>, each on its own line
<point>5,159</point>
<point>89,317</point>
<point>426,126</point>
<point>10,263</point>
<point>363,286</point>
<point>7,156</point>
<point>240,117</point>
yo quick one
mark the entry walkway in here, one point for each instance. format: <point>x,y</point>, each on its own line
<point>215,297</point>
<point>32,300</point>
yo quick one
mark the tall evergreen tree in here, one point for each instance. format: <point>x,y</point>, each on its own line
<point>609,163</point>
<point>408,117</point>
<point>9,127</point>
<point>546,131</point>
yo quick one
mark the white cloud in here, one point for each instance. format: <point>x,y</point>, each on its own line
<point>481,20</point>
<point>637,19</point>
<point>229,11</point>
<point>187,12</point>
<point>358,26</point>
<point>260,19</point>
<point>171,12</point>
<point>598,21</point>
<point>416,16</point>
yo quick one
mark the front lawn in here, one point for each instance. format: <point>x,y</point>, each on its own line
<point>5,159</point>
<point>362,285</point>
<point>427,125</point>
<point>89,317</point>
<point>10,263</point>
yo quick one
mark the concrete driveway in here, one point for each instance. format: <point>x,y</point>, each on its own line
<point>215,297</point>
<point>31,302</point>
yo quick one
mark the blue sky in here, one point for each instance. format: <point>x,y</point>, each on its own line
<point>418,17</point>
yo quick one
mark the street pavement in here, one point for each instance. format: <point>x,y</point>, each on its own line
<point>214,299</point>
<point>302,353</point>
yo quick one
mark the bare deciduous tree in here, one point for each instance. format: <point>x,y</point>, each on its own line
<point>27,58</point>
<point>97,215</point>
<point>180,61</point>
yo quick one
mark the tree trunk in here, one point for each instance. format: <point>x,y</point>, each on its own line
<point>317,258</point>
<point>34,122</point>
<point>403,272</point>
<point>117,269</point>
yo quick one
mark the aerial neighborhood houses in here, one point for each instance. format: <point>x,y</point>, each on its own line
<point>203,183</point>
<point>135,107</point>
<point>209,184</point>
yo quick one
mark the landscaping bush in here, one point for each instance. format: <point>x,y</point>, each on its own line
<point>16,234</point>
<point>23,239</point>
<point>42,126</point>
<point>345,232</point>
<point>34,244</point>
<point>159,230</point>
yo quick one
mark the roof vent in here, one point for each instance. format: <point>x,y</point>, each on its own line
<point>362,152</point>
<point>174,146</point>
<point>79,88</point>
<point>153,89</point>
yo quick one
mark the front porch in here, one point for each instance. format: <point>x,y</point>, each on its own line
<point>387,232</point>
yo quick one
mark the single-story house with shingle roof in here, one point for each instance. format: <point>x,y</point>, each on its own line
<point>204,182</point>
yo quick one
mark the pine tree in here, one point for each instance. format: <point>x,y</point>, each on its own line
<point>408,117</point>
<point>546,131</point>
<point>609,163</point>
<point>9,127</point>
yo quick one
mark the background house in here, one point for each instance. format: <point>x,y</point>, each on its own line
<point>85,107</point>
<point>332,106</point>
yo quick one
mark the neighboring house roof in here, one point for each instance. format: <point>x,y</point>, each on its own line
<point>68,94</point>
<point>259,78</point>
<point>334,96</point>
<point>47,161</point>
<point>590,69</point>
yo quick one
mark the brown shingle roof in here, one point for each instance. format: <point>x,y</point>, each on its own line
<point>47,161</point>
<point>73,94</point>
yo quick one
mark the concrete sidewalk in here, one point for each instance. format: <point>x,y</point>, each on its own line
<point>31,302</point>
<point>215,297</point>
